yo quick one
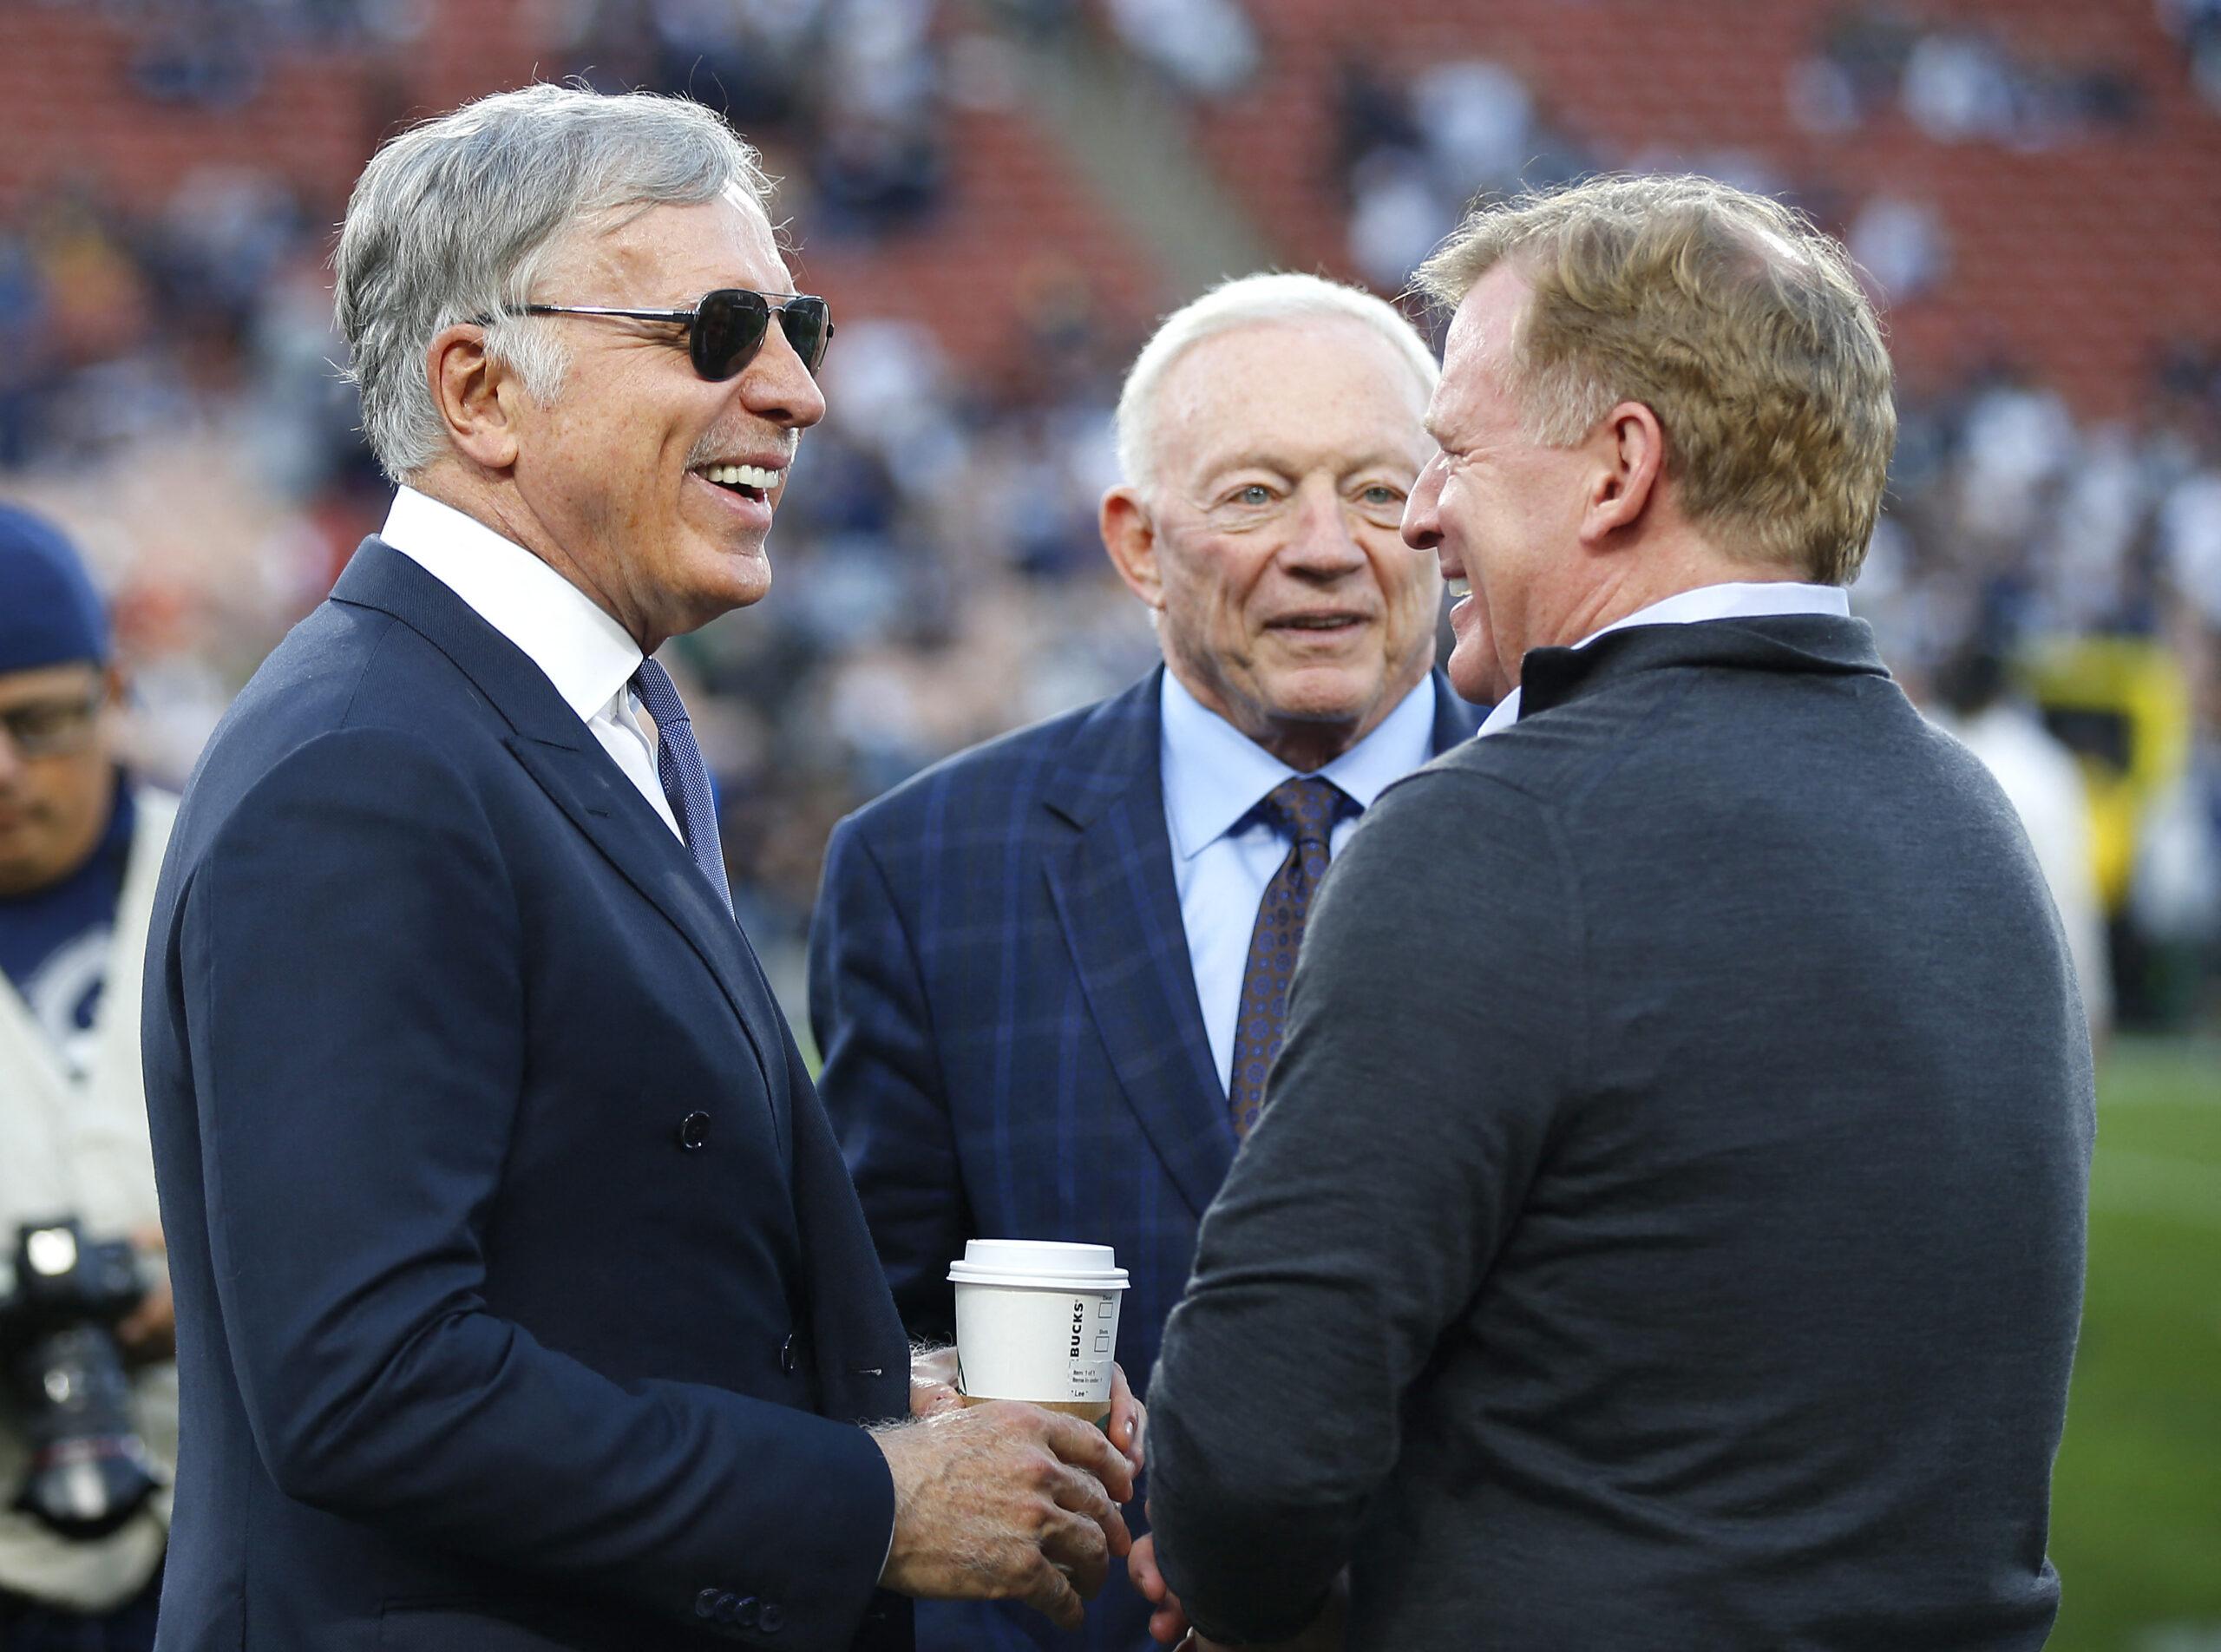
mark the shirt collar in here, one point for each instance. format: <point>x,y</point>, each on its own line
<point>584,651</point>
<point>1213,773</point>
<point>1733,599</point>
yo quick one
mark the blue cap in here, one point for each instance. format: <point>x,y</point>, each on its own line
<point>50,613</point>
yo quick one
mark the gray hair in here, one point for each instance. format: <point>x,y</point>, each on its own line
<point>455,220</point>
<point>1246,301</point>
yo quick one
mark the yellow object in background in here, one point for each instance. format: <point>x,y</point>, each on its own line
<point>2122,706</point>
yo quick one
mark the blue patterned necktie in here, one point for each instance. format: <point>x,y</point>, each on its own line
<point>685,780</point>
<point>1303,811</point>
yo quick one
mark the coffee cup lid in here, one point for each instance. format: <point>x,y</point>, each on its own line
<point>1047,1263</point>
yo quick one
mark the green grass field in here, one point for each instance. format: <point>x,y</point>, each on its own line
<point>2136,1500</point>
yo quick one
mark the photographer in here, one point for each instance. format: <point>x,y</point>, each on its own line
<point>82,1521</point>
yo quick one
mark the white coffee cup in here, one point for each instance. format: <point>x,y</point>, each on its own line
<point>1038,1319</point>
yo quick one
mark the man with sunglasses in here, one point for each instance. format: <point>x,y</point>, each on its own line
<point>80,845</point>
<point>525,1302</point>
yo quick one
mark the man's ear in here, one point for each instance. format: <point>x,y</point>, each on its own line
<point>466,385</point>
<point>1629,447</point>
<point>1129,534</point>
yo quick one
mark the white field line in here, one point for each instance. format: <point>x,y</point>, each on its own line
<point>2118,1102</point>
<point>2171,1061</point>
<point>2180,1637</point>
<point>2148,1184</point>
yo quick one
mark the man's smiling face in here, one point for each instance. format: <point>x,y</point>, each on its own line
<point>616,470</point>
<point>1284,453</point>
<point>1501,511</point>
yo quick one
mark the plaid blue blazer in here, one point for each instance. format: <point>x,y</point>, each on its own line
<point>1000,984</point>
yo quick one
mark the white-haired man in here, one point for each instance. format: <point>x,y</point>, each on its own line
<point>1048,975</point>
<point>524,1301</point>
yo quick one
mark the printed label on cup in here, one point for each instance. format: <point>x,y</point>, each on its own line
<point>1037,1320</point>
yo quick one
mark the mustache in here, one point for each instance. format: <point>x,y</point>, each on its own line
<point>716,444</point>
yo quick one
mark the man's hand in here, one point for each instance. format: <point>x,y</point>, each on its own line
<point>149,1332</point>
<point>1169,1625</point>
<point>1004,1501</point>
<point>1128,1423</point>
<point>934,1390</point>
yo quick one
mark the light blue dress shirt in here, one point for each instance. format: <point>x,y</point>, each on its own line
<point>1222,860</point>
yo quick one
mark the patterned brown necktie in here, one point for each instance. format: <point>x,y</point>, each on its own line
<point>1304,811</point>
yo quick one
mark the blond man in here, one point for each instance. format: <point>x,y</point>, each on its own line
<point>1665,1225</point>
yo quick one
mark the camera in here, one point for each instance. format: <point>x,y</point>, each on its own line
<point>61,1296</point>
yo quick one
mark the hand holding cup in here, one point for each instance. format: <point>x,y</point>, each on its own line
<point>1004,1501</point>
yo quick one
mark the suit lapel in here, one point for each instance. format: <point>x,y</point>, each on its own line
<point>603,804</point>
<point>1111,882</point>
<point>556,749</point>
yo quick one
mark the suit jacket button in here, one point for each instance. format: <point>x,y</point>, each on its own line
<point>768,1618</point>
<point>706,1603</point>
<point>787,1356</point>
<point>746,1618</point>
<point>694,1131</point>
<point>728,1609</point>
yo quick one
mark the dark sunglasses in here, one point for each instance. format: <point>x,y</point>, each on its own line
<point>727,327</point>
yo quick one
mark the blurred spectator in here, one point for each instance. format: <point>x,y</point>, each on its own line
<point>751,59</point>
<point>1416,147</point>
<point>1477,117</point>
<point>1956,83</point>
<point>1900,243</point>
<point>1959,85</point>
<point>80,846</point>
<point>1395,216</point>
<point>2197,23</point>
<point>1205,47</point>
<point>853,87</point>
<point>2174,902</point>
<point>23,369</point>
<point>1862,59</point>
<point>2190,538</point>
<point>214,53</point>
<point>2039,777</point>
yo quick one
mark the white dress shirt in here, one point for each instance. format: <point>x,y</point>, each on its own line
<point>1736,600</point>
<point>1214,776</point>
<point>585,652</point>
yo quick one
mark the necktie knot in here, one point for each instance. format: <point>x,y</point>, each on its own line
<point>685,778</point>
<point>1305,809</point>
<point>658,694</point>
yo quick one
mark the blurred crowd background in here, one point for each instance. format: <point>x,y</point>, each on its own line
<point>999,197</point>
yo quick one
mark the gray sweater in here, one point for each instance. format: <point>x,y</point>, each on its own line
<point>1665,1226</point>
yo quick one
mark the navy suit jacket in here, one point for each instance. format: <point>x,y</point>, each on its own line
<point>523,1302</point>
<point>1001,984</point>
